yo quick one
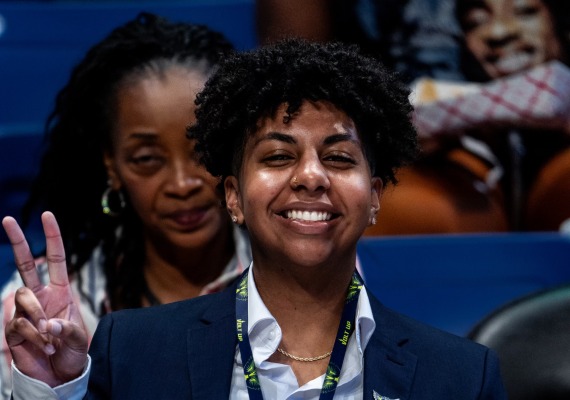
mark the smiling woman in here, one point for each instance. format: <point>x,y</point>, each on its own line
<point>303,137</point>
<point>509,36</point>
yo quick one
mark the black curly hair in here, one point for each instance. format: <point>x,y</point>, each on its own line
<point>72,176</point>
<point>250,86</point>
<point>559,11</point>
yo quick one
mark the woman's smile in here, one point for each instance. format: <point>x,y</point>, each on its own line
<point>312,216</point>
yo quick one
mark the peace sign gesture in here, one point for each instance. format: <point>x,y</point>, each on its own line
<point>46,336</point>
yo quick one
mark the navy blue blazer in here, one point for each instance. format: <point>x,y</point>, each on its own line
<point>186,350</point>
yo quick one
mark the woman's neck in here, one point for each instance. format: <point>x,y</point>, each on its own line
<point>285,291</point>
<point>304,287</point>
<point>308,308</point>
<point>178,274</point>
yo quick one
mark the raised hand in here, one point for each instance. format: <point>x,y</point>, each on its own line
<point>46,336</point>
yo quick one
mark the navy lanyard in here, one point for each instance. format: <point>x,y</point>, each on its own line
<point>345,329</point>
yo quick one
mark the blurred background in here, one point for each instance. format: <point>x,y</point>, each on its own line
<point>458,237</point>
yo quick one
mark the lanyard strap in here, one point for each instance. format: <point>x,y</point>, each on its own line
<point>345,329</point>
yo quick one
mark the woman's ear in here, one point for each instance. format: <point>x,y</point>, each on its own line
<point>113,181</point>
<point>376,193</point>
<point>377,188</point>
<point>233,200</point>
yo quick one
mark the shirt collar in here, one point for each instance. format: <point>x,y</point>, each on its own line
<point>264,331</point>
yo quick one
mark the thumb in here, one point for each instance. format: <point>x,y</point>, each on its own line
<point>71,334</point>
<point>71,344</point>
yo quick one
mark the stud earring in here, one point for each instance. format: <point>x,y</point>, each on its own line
<point>234,219</point>
<point>373,212</point>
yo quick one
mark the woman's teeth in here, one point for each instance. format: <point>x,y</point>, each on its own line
<point>309,215</point>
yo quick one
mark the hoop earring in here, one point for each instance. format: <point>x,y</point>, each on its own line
<point>105,202</point>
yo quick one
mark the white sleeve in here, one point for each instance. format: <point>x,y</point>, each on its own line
<point>25,388</point>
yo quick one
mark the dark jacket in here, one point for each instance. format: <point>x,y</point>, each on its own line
<point>186,350</point>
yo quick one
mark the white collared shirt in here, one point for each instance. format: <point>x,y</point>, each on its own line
<point>277,380</point>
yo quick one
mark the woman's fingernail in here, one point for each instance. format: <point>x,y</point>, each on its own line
<point>42,325</point>
<point>55,328</point>
<point>49,349</point>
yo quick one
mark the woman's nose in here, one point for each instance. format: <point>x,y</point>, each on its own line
<point>311,175</point>
<point>502,30</point>
<point>184,179</point>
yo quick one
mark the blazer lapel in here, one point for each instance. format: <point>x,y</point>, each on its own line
<point>211,349</point>
<point>388,368</point>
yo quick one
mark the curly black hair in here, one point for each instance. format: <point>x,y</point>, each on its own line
<point>72,176</point>
<point>250,86</point>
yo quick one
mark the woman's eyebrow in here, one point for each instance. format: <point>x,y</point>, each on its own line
<point>282,137</point>
<point>339,137</point>
<point>146,136</point>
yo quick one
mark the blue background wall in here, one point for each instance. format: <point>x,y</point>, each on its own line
<point>41,41</point>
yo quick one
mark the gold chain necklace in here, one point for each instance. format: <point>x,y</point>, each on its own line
<point>303,359</point>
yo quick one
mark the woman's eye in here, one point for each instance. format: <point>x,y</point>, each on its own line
<point>277,159</point>
<point>146,164</point>
<point>526,11</point>
<point>146,159</point>
<point>340,159</point>
<point>475,18</point>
